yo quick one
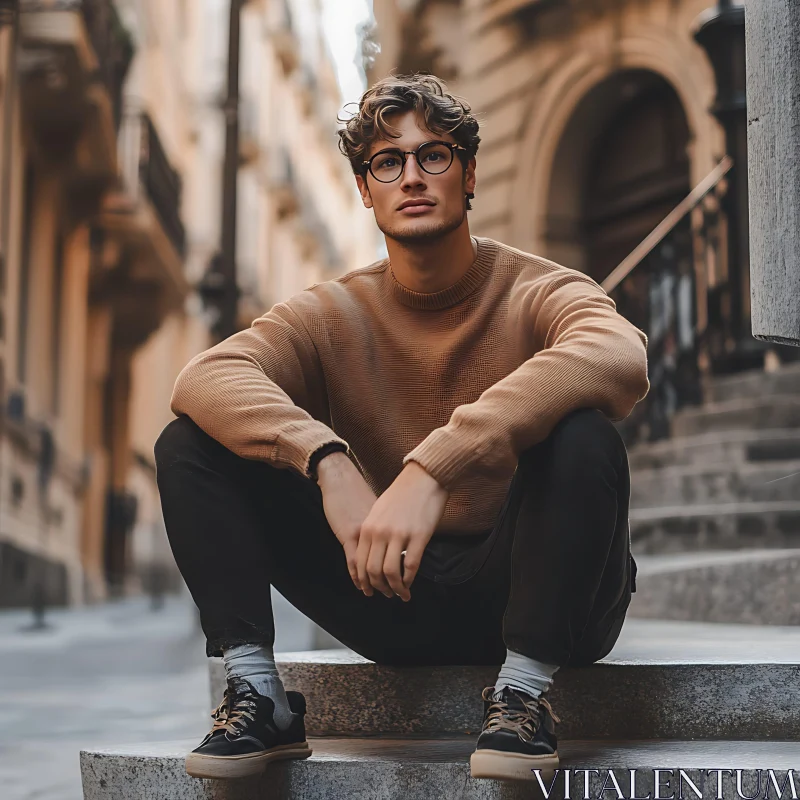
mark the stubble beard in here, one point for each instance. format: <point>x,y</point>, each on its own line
<point>423,233</point>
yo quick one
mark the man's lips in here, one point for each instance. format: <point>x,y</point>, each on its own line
<point>415,205</point>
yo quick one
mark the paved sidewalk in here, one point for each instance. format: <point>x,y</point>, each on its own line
<point>100,676</point>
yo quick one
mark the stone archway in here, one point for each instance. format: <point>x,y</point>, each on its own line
<point>637,168</point>
<point>585,87</point>
<point>621,164</point>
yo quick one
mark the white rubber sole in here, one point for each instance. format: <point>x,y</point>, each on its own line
<point>228,767</point>
<point>509,766</point>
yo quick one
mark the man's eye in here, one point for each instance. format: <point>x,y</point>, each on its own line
<point>387,162</point>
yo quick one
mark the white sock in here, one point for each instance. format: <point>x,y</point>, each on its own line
<point>527,674</point>
<point>256,664</point>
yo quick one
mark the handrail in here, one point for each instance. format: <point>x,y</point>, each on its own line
<point>648,244</point>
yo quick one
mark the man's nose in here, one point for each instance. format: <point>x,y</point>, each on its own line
<point>413,174</point>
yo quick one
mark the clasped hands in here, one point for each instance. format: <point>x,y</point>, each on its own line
<point>375,532</point>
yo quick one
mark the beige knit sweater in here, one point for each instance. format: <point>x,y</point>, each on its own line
<point>460,381</point>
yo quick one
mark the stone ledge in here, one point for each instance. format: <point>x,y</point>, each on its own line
<point>667,698</point>
<point>388,769</point>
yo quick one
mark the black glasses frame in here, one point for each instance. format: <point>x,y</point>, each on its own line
<point>367,165</point>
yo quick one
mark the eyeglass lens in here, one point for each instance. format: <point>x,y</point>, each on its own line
<point>433,157</point>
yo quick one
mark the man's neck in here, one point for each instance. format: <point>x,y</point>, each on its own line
<point>429,267</point>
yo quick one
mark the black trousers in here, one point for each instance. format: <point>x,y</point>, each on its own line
<point>552,580</point>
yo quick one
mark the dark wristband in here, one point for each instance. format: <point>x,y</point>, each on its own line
<point>320,453</point>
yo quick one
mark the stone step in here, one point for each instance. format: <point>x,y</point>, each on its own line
<point>716,526</point>
<point>391,769</point>
<point>753,586</point>
<point>756,383</point>
<point>774,411</point>
<point>704,484</point>
<point>643,690</point>
<point>718,447</point>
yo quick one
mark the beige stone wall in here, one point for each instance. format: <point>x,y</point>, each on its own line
<point>298,192</point>
<point>528,82</point>
<point>163,77</point>
<point>41,518</point>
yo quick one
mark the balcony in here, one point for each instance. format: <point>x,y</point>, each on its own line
<point>282,182</point>
<point>73,58</point>
<point>314,236</point>
<point>143,215</point>
<point>284,41</point>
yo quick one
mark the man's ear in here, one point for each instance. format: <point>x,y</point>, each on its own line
<point>469,177</point>
<point>363,189</point>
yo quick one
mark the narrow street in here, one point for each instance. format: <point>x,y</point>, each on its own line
<point>111,674</point>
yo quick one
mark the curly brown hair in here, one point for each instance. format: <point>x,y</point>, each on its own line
<point>424,94</point>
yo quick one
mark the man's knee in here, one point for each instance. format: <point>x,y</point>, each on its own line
<point>585,437</point>
<point>587,427</point>
<point>179,436</point>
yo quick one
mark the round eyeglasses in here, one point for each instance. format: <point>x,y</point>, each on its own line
<point>432,157</point>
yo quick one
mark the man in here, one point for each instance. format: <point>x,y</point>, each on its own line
<point>418,455</point>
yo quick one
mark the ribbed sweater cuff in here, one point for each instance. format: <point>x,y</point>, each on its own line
<point>443,456</point>
<point>297,443</point>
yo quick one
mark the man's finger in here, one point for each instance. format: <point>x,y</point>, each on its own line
<point>362,554</point>
<point>412,561</point>
<point>392,569</point>
<point>377,555</point>
<point>350,554</point>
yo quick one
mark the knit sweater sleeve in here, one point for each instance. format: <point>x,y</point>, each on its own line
<point>580,353</point>
<point>261,392</point>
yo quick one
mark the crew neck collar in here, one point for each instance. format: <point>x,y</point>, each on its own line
<point>471,280</point>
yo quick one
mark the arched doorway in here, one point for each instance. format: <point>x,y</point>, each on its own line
<point>638,171</point>
<point>621,166</point>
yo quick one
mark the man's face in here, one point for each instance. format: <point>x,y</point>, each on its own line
<point>442,198</point>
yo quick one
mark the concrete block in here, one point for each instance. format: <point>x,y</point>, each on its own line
<point>773,117</point>
<point>424,769</point>
<point>617,698</point>
<point>755,587</point>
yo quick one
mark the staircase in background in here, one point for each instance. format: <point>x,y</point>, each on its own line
<point>715,510</point>
<point>729,478</point>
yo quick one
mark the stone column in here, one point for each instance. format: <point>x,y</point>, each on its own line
<point>773,90</point>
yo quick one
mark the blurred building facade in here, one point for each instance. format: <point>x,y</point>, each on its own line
<point>598,120</point>
<point>112,144</point>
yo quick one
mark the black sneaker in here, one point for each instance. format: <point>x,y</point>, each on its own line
<point>518,736</point>
<point>244,738</point>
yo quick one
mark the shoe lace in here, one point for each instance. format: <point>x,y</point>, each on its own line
<point>231,716</point>
<point>524,723</point>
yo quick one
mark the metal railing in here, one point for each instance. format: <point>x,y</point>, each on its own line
<point>662,288</point>
<point>146,168</point>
